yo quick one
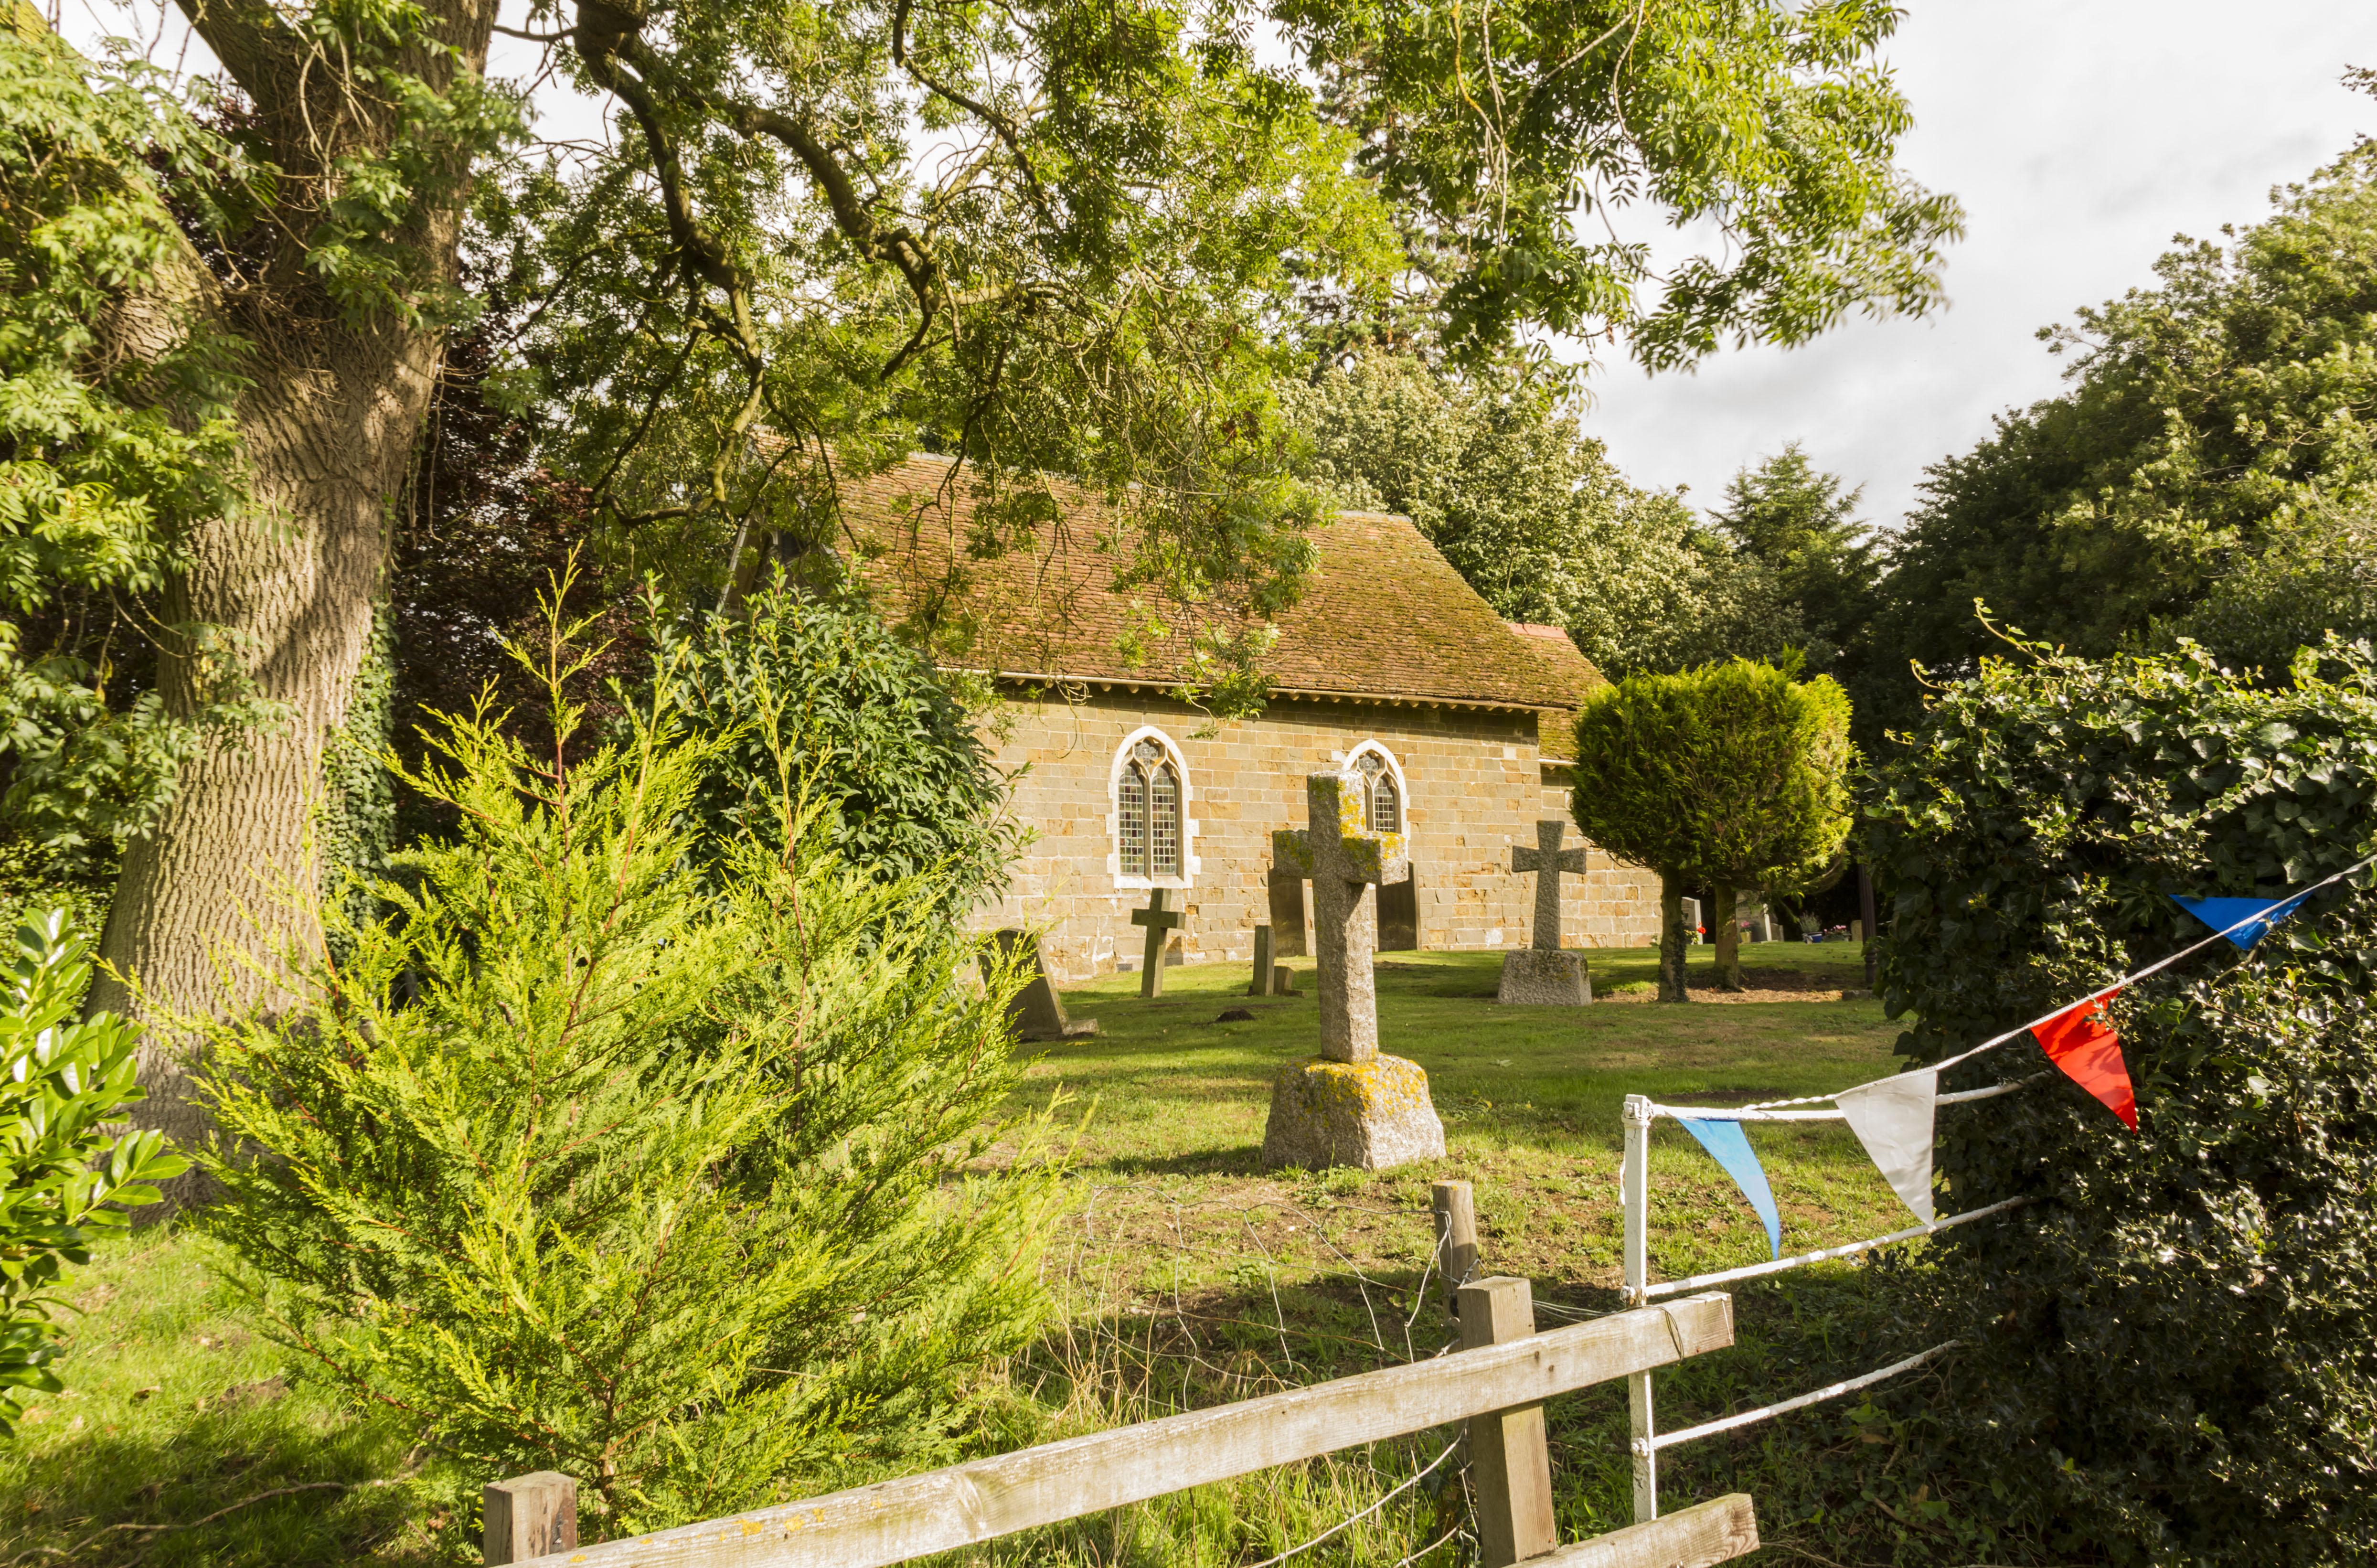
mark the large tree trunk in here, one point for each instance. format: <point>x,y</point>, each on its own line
<point>1674,940</point>
<point>1725,904</point>
<point>209,904</point>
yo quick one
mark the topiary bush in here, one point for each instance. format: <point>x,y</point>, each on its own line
<point>2167,1356</point>
<point>871,733</point>
<point>1733,775</point>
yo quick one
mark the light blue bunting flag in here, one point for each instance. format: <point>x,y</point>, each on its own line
<point>1729,1146</point>
<point>2222,913</point>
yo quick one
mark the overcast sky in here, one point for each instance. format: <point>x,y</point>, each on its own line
<point>2081,136</point>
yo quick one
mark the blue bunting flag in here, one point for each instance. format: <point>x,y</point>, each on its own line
<point>2222,913</point>
<point>1729,1146</point>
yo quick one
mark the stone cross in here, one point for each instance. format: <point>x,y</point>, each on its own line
<point>1159,922</point>
<point>1344,861</point>
<point>1547,860</point>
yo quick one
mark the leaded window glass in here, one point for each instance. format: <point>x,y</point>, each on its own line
<point>1383,803</point>
<point>1147,813</point>
<point>1130,820</point>
<point>1164,821</point>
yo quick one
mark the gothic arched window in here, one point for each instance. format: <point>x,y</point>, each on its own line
<point>1382,799</point>
<point>1147,813</point>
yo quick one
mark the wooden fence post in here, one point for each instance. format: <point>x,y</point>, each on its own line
<point>1508,1459</point>
<point>1456,1236</point>
<point>530,1516</point>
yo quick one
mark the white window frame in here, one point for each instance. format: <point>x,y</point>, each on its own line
<point>1394,770</point>
<point>1190,864</point>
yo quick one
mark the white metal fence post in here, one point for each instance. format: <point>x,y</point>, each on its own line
<point>1634,1176</point>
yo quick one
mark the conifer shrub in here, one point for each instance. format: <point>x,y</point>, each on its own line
<point>683,1186</point>
<point>1734,774</point>
<point>2167,1356</point>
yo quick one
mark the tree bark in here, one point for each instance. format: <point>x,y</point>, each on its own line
<point>1674,940</point>
<point>1725,927</point>
<point>210,905</point>
<point>213,903</point>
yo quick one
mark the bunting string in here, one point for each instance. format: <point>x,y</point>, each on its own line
<point>2263,915</point>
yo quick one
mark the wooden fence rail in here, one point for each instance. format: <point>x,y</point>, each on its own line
<point>1497,1383</point>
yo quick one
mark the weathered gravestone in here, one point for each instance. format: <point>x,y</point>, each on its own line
<point>1271,976</point>
<point>1286,887</point>
<point>1691,921</point>
<point>1036,1013</point>
<point>1350,1106</point>
<point>1542,975</point>
<point>1159,922</point>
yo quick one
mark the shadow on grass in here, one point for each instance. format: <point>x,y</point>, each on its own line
<point>262,1485</point>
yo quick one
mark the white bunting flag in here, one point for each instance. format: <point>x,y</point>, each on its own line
<point>1893,1118</point>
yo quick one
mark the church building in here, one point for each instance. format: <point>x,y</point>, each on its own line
<point>1391,665</point>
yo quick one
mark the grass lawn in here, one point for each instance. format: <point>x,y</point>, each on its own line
<point>1530,1098</point>
<point>1186,1275</point>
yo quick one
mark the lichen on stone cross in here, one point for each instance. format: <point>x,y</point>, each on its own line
<point>1345,861</point>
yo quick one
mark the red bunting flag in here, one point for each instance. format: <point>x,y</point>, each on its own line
<point>2079,1041</point>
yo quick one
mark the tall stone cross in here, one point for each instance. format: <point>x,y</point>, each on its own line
<point>1159,922</point>
<point>1547,860</point>
<point>1344,861</point>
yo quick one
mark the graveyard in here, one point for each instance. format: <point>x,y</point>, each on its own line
<point>1166,1201</point>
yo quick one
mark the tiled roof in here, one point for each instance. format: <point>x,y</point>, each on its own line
<point>1384,618</point>
<point>1575,673</point>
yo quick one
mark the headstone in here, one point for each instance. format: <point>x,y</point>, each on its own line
<point>1857,931</point>
<point>1266,970</point>
<point>1287,912</point>
<point>1159,922</point>
<point>1542,975</point>
<point>1691,920</point>
<point>1350,1106</point>
<point>1037,1013</point>
<point>1762,924</point>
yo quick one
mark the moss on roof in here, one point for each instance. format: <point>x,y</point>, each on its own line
<point>1383,617</point>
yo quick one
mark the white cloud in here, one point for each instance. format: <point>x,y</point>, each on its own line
<point>2081,137</point>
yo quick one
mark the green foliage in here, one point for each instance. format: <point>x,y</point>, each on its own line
<point>1734,776</point>
<point>1732,771</point>
<point>356,827</point>
<point>585,1165</point>
<point>65,1173</point>
<point>2167,1356</point>
<point>107,462</point>
<point>2215,424</point>
<point>1494,470</point>
<point>1513,144</point>
<point>1793,521</point>
<point>873,734</point>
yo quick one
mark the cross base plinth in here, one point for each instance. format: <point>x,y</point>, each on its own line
<point>1371,1114</point>
<point>1533,977</point>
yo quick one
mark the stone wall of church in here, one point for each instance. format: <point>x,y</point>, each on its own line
<point>1474,784</point>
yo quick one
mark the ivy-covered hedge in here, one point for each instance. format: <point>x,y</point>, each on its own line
<point>2169,1356</point>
